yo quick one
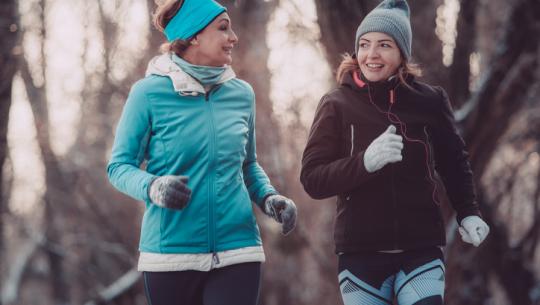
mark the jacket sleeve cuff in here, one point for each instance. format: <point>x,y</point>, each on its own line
<point>362,174</point>
<point>146,187</point>
<point>261,202</point>
<point>462,215</point>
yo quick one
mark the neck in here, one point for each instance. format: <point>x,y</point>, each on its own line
<point>388,81</point>
<point>206,75</point>
<point>195,59</point>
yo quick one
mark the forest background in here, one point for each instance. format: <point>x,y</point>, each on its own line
<point>68,237</point>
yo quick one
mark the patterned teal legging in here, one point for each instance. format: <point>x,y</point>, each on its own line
<point>414,277</point>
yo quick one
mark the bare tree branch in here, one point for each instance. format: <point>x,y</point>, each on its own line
<point>10,291</point>
<point>9,38</point>
<point>119,287</point>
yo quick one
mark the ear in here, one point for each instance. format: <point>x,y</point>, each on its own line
<point>194,41</point>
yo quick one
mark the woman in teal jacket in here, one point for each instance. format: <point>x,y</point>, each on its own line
<point>193,122</point>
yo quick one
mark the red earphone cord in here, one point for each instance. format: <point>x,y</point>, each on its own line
<point>393,118</point>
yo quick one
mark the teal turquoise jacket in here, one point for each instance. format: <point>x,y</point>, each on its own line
<point>172,123</point>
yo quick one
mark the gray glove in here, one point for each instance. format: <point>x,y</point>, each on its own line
<point>170,192</point>
<point>385,149</point>
<point>473,230</point>
<point>283,210</point>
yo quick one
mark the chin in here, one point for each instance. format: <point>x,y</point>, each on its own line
<point>222,62</point>
<point>375,78</point>
<point>372,78</point>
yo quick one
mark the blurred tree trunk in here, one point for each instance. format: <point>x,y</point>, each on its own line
<point>426,46</point>
<point>338,21</point>
<point>58,197</point>
<point>458,86</point>
<point>57,194</point>
<point>504,91</point>
<point>9,36</point>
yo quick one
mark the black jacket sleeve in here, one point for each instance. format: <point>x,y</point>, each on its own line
<point>324,172</point>
<point>452,162</point>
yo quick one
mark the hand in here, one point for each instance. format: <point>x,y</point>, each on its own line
<point>283,210</point>
<point>473,230</point>
<point>170,192</point>
<point>383,150</point>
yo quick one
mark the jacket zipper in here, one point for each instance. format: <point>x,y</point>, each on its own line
<point>352,151</point>
<point>394,210</point>
<point>430,149</point>
<point>211,173</point>
<point>352,139</point>
<point>394,199</point>
<point>431,167</point>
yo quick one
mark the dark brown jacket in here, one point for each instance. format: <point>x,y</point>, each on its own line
<point>397,206</point>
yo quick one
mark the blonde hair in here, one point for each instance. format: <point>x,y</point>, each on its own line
<point>349,63</point>
<point>163,14</point>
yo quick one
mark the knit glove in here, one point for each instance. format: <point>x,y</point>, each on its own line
<point>383,150</point>
<point>283,210</point>
<point>170,192</point>
<point>473,230</point>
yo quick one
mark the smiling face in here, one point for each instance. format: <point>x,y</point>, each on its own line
<point>378,56</point>
<point>213,46</point>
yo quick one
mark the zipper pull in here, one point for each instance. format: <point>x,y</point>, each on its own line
<point>392,97</point>
<point>215,258</point>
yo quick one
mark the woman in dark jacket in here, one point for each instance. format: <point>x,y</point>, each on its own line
<point>376,143</point>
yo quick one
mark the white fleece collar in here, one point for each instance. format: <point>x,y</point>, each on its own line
<point>183,83</point>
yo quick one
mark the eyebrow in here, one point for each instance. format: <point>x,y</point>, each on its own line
<point>225,19</point>
<point>382,40</point>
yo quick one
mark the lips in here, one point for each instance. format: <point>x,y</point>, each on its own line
<point>228,49</point>
<point>374,66</point>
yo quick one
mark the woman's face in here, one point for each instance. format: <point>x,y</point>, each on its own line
<point>213,46</point>
<point>378,56</point>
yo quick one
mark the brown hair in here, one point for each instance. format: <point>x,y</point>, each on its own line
<point>163,14</point>
<point>349,63</point>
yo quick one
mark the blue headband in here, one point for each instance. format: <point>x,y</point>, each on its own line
<point>193,16</point>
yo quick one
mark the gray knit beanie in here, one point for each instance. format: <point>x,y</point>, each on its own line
<point>390,17</point>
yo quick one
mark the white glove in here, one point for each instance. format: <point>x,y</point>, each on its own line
<point>383,150</point>
<point>473,230</point>
<point>283,210</point>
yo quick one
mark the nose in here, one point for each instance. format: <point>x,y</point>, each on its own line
<point>372,52</point>
<point>233,38</point>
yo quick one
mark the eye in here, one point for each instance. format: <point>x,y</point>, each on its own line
<point>386,45</point>
<point>223,28</point>
<point>363,45</point>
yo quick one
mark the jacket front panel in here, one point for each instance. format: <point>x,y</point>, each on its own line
<point>208,137</point>
<point>395,207</point>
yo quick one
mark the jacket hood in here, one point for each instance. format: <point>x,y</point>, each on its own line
<point>183,83</point>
